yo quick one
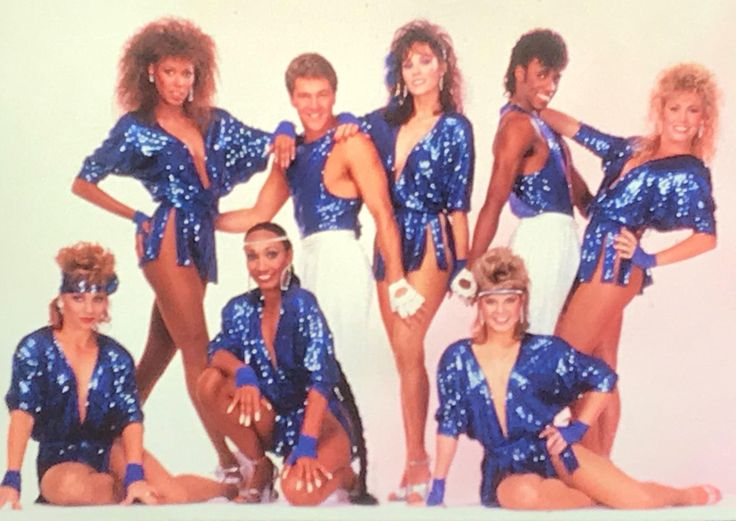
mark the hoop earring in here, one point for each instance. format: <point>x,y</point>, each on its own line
<point>151,79</point>
<point>190,98</point>
<point>286,276</point>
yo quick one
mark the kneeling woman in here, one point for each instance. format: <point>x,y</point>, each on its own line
<point>271,383</point>
<point>504,388</point>
<point>73,390</point>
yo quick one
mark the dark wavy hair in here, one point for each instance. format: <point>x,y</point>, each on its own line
<point>160,39</point>
<point>400,109</point>
<point>544,44</point>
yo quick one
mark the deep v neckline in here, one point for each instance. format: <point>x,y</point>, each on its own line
<point>487,383</point>
<point>273,360</point>
<point>398,175</point>
<point>57,343</point>
<point>201,176</point>
<point>623,175</point>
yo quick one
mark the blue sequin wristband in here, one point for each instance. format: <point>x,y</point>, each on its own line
<point>306,447</point>
<point>139,218</point>
<point>436,495</point>
<point>643,259</point>
<point>285,128</point>
<point>12,480</point>
<point>133,473</point>
<point>459,266</point>
<point>347,118</point>
<point>245,375</point>
<point>574,432</point>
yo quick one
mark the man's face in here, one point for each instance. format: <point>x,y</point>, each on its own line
<point>313,99</point>
<point>536,84</point>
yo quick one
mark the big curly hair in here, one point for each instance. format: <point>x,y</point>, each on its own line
<point>500,268</point>
<point>400,109</point>
<point>684,77</point>
<point>159,39</point>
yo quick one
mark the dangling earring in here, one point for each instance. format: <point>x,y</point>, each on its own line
<point>397,90</point>
<point>190,98</point>
<point>286,277</point>
<point>700,132</point>
<point>442,83</point>
<point>151,78</point>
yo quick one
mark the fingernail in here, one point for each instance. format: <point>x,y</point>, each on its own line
<point>230,408</point>
<point>309,488</point>
<point>299,485</point>
<point>247,421</point>
<point>329,475</point>
<point>258,416</point>
<point>241,420</point>
<point>318,482</point>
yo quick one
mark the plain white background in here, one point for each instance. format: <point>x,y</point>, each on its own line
<point>59,70</point>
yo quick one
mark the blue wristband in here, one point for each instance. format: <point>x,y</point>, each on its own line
<point>306,447</point>
<point>347,118</point>
<point>139,218</point>
<point>133,473</point>
<point>12,480</point>
<point>459,265</point>
<point>643,259</point>
<point>245,375</point>
<point>285,128</point>
<point>574,432</point>
<point>436,495</point>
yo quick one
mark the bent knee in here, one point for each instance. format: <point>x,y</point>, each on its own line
<point>73,484</point>
<point>521,492</point>
<point>298,495</point>
<point>209,383</point>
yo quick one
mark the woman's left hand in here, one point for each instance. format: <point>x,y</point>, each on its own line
<point>309,473</point>
<point>141,491</point>
<point>625,243</point>
<point>555,442</point>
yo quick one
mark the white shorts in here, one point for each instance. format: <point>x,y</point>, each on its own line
<point>549,245</point>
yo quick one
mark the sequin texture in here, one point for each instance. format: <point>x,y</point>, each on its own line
<point>315,208</point>
<point>664,194</point>
<point>547,189</point>
<point>305,358</point>
<point>547,376</point>
<point>437,179</point>
<point>43,385</point>
<point>163,163</point>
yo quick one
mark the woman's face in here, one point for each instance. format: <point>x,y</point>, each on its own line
<point>682,117</point>
<point>422,70</point>
<point>174,78</point>
<point>501,313</point>
<point>83,311</point>
<point>266,259</point>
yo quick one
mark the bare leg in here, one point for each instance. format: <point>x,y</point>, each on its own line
<point>333,451</point>
<point>73,483</point>
<point>157,355</point>
<point>532,492</point>
<point>407,343</point>
<point>179,299</point>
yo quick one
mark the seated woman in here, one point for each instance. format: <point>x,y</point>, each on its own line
<point>273,384</point>
<point>73,390</point>
<point>504,387</point>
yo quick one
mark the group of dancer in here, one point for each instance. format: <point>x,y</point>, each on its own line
<point>270,380</point>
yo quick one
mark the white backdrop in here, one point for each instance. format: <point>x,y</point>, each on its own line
<point>56,97</point>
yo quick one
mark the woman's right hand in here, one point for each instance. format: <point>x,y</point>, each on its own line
<point>9,496</point>
<point>142,229</point>
<point>247,402</point>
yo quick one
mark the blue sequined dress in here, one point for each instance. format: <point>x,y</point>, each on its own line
<point>304,358</point>
<point>437,179</point>
<point>43,385</point>
<point>547,376</point>
<point>665,194</point>
<point>163,163</point>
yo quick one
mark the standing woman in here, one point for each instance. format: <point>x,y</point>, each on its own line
<point>274,384</point>
<point>73,391</point>
<point>660,181</point>
<point>426,146</point>
<point>187,154</point>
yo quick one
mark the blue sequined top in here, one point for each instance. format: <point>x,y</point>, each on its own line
<point>547,376</point>
<point>43,385</point>
<point>665,194</point>
<point>437,179</point>
<point>163,163</point>
<point>547,189</point>
<point>305,357</point>
<point>315,208</point>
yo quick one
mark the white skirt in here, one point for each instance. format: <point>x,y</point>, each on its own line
<point>549,245</point>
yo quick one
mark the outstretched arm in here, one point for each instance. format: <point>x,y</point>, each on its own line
<point>513,139</point>
<point>19,430</point>
<point>560,122</point>
<point>271,198</point>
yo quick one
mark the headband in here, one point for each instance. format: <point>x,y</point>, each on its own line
<point>278,238</point>
<point>500,291</point>
<point>71,284</point>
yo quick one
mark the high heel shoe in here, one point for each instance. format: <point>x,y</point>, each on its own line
<point>235,474</point>
<point>260,487</point>
<point>412,493</point>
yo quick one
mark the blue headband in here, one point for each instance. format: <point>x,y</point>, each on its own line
<point>70,284</point>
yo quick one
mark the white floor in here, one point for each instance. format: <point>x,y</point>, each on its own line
<point>724,511</point>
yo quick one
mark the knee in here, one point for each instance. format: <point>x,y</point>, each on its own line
<point>209,384</point>
<point>61,487</point>
<point>520,492</point>
<point>175,492</point>
<point>297,495</point>
<point>408,353</point>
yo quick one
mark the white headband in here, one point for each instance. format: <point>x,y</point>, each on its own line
<point>500,291</point>
<point>280,238</point>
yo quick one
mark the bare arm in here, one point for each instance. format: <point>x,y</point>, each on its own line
<point>95,195</point>
<point>19,430</point>
<point>271,198</point>
<point>446,447</point>
<point>698,242</point>
<point>133,442</point>
<point>226,362</point>
<point>513,139</point>
<point>560,122</point>
<point>460,233</point>
<point>367,172</point>
<point>581,196</point>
